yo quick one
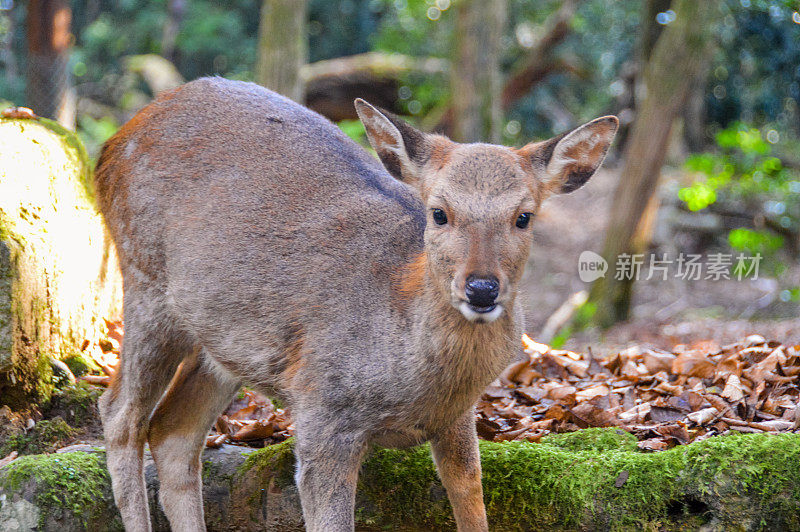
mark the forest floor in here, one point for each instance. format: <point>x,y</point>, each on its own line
<point>664,313</point>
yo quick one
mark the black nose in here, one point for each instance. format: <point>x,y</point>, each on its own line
<point>482,291</point>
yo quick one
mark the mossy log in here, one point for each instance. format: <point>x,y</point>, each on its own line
<point>58,270</point>
<point>595,479</point>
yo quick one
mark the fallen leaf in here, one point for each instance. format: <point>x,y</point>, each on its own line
<point>9,458</point>
<point>733,389</point>
<point>701,417</point>
<point>653,444</point>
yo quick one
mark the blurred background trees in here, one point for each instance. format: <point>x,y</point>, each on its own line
<point>670,62</point>
<point>282,47</point>
<point>48,87</point>
<point>711,88</point>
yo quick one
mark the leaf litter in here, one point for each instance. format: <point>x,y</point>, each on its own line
<point>664,398</point>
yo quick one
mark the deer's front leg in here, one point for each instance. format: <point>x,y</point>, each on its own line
<point>327,473</point>
<point>458,461</point>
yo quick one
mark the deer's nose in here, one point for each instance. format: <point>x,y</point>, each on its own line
<point>482,291</point>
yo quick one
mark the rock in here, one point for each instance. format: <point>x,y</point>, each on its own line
<point>58,270</point>
<point>568,482</point>
<point>18,516</point>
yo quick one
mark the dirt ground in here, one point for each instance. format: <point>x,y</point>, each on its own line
<point>665,313</point>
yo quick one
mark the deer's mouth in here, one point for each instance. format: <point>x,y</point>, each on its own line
<point>481,310</point>
<point>478,314</point>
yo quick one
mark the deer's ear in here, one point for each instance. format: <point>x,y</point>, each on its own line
<point>566,162</point>
<point>402,149</point>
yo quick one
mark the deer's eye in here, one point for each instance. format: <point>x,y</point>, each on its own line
<point>439,217</point>
<point>523,220</point>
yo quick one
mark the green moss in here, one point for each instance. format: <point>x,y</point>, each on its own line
<point>277,403</point>
<point>78,151</point>
<point>594,439</point>
<point>45,436</point>
<point>401,486</point>
<point>757,474</point>
<point>598,480</point>
<point>591,479</point>
<point>80,365</point>
<point>594,481</point>
<point>278,459</point>
<point>75,482</point>
<point>76,403</point>
<point>529,486</point>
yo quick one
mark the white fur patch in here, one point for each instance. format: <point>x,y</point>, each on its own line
<point>480,317</point>
<point>130,147</point>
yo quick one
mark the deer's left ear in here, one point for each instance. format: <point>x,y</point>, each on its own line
<point>566,162</point>
<point>402,149</point>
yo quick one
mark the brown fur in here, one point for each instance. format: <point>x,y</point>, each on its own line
<point>409,281</point>
<point>259,244</point>
<point>441,149</point>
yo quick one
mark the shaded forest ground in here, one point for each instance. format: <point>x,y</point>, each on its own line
<point>665,313</point>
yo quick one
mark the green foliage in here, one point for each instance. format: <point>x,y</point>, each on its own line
<point>754,241</point>
<point>355,130</point>
<point>745,175</point>
<point>94,132</point>
<point>582,319</point>
<point>425,28</point>
<point>344,27</point>
<point>754,75</point>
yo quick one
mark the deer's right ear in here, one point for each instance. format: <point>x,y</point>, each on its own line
<point>566,162</point>
<point>402,149</point>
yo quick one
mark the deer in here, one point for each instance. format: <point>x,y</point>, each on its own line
<point>376,297</point>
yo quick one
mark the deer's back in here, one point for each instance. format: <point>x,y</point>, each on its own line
<point>248,210</point>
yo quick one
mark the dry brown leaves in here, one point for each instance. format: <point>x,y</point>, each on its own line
<point>104,352</point>
<point>251,419</point>
<point>664,398</point>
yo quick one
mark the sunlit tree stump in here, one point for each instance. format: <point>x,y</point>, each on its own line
<point>58,269</point>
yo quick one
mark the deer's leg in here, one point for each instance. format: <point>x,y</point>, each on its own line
<point>148,360</point>
<point>458,461</point>
<point>327,473</point>
<point>177,436</point>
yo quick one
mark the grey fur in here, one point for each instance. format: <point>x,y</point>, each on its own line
<point>259,244</point>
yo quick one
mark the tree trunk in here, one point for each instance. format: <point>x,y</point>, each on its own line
<point>649,32</point>
<point>649,29</point>
<point>676,60</point>
<point>694,114</point>
<point>7,55</point>
<point>58,269</point>
<point>475,80</point>
<point>282,47</point>
<point>176,9</point>
<point>49,91</point>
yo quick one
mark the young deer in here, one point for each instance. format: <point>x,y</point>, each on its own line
<point>260,245</point>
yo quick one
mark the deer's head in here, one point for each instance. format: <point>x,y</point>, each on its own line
<point>481,200</point>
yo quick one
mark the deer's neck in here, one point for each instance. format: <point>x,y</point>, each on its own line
<point>459,358</point>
